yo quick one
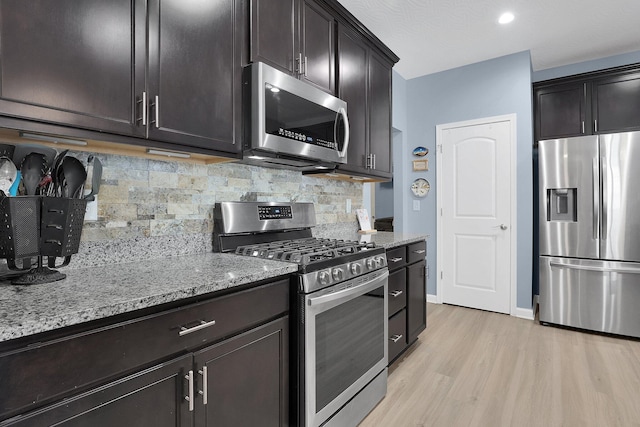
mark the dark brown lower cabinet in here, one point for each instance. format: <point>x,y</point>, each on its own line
<point>160,370</point>
<point>152,397</point>
<point>407,308</point>
<point>246,379</point>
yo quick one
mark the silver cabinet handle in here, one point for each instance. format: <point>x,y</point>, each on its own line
<point>395,294</point>
<point>189,398</point>
<point>144,108</point>
<point>595,125</point>
<point>202,325</point>
<point>421,251</point>
<point>396,259</point>
<point>583,126</point>
<point>157,112</point>
<point>205,387</point>
<point>395,338</point>
<point>305,66</point>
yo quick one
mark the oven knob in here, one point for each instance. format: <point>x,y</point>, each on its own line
<point>356,269</point>
<point>379,262</point>
<point>370,264</point>
<point>338,274</point>
<point>324,277</point>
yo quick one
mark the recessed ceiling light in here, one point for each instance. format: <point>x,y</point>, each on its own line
<point>506,17</point>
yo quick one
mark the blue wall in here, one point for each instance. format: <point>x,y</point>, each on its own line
<point>490,88</point>
<point>587,66</point>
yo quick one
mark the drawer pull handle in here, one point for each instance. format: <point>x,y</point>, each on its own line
<point>189,398</point>
<point>395,259</point>
<point>395,338</point>
<point>419,251</point>
<point>202,325</point>
<point>204,392</point>
<point>395,294</point>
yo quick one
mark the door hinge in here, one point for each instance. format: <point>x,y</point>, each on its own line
<point>441,275</point>
<point>440,148</point>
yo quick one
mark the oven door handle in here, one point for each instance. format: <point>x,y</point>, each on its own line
<point>345,293</point>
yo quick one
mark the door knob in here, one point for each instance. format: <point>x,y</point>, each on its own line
<point>503,227</point>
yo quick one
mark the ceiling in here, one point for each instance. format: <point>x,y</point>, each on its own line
<point>436,35</point>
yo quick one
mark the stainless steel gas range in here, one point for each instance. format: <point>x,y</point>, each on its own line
<point>339,308</point>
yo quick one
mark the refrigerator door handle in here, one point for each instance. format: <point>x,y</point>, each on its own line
<point>630,270</point>
<point>596,198</point>
<point>603,177</point>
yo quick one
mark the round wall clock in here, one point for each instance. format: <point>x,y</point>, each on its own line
<point>420,187</point>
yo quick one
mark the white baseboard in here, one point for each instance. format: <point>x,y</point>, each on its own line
<point>432,298</point>
<point>524,313</point>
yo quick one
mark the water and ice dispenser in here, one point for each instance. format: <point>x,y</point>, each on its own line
<point>562,204</point>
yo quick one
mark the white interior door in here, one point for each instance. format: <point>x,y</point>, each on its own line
<point>475,196</point>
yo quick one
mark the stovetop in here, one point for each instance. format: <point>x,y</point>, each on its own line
<point>305,251</point>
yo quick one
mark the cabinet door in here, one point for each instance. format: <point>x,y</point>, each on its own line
<point>352,88</point>
<point>75,63</point>
<point>416,300</point>
<point>195,73</point>
<point>245,380</point>
<point>318,46</point>
<point>616,103</point>
<point>273,33</point>
<point>561,111</point>
<point>380,115</point>
<point>153,397</point>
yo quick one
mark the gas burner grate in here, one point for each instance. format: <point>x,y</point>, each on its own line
<point>304,251</point>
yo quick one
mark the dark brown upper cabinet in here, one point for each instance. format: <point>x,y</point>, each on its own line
<point>602,102</point>
<point>616,103</point>
<point>562,111</point>
<point>365,84</point>
<point>75,63</point>
<point>297,37</point>
<point>166,70</point>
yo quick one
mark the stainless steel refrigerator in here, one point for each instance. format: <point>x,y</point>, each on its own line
<point>589,232</point>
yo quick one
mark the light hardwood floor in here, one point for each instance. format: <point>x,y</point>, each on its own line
<point>475,368</point>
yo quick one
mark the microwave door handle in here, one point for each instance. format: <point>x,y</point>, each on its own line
<point>342,112</point>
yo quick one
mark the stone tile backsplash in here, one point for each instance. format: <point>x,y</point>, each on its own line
<point>149,208</point>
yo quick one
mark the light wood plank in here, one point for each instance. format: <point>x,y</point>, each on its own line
<point>475,368</point>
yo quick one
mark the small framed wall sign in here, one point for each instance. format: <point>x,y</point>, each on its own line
<point>421,165</point>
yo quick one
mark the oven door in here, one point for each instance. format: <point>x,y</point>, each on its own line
<point>346,333</point>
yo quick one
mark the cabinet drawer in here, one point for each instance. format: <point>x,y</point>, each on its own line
<point>397,257</point>
<point>49,370</point>
<point>397,291</point>
<point>397,334</point>
<point>416,251</point>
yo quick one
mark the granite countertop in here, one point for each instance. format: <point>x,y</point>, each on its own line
<point>98,292</point>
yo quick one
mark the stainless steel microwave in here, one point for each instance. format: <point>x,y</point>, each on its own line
<point>291,124</point>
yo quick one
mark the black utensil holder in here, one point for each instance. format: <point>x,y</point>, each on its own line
<point>33,226</point>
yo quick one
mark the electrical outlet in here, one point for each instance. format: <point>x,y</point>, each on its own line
<point>348,205</point>
<point>91,213</point>
<point>416,205</point>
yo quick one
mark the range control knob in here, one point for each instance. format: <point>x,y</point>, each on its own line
<point>324,278</point>
<point>379,261</point>
<point>338,274</point>
<point>356,269</point>
<point>371,264</point>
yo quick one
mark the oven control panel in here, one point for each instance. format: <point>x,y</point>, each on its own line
<point>274,212</point>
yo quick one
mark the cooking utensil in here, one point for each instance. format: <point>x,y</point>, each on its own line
<point>55,170</point>
<point>13,191</point>
<point>96,176</point>
<point>8,174</point>
<point>73,177</point>
<point>22,150</point>
<point>33,168</point>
